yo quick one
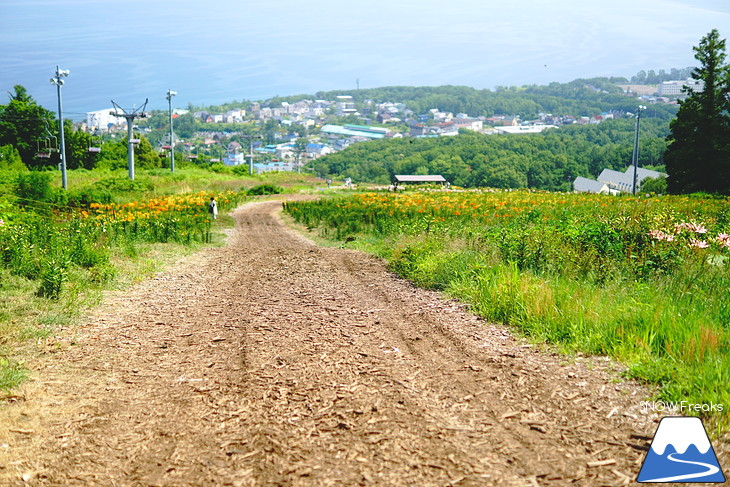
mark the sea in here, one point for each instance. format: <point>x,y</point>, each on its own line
<point>222,51</point>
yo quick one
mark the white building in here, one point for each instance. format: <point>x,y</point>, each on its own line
<point>345,105</point>
<point>614,182</point>
<point>523,129</point>
<point>234,158</point>
<point>585,185</point>
<point>674,88</point>
<point>102,120</point>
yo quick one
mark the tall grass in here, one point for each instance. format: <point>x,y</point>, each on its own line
<point>644,280</point>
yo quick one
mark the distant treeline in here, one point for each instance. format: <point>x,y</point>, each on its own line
<point>582,97</point>
<point>549,161</point>
<point>653,78</point>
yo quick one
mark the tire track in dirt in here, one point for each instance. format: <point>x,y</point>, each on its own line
<point>272,361</point>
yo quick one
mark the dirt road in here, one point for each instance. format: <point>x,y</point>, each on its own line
<point>272,361</point>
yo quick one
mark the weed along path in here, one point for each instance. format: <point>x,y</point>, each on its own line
<point>273,361</point>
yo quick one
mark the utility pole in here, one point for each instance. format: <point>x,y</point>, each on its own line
<point>130,117</point>
<point>300,147</point>
<point>58,81</point>
<point>250,150</point>
<point>636,147</point>
<point>170,94</point>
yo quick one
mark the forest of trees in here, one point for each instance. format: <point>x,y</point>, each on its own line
<point>550,160</point>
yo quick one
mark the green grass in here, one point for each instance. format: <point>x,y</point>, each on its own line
<point>154,183</point>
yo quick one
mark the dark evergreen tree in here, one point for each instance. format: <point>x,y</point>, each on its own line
<point>697,157</point>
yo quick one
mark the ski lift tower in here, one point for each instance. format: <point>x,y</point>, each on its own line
<point>130,117</point>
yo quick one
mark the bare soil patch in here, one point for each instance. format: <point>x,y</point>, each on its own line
<point>273,361</point>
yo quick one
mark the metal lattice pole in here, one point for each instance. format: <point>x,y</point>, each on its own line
<point>130,117</point>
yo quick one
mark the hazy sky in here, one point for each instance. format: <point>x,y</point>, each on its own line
<point>224,50</point>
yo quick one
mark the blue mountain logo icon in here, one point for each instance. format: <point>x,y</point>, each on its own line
<point>681,452</point>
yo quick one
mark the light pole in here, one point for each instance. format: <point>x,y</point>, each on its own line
<point>170,94</point>
<point>58,81</point>
<point>636,146</point>
<point>250,150</point>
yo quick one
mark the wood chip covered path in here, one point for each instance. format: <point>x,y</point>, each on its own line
<point>274,362</point>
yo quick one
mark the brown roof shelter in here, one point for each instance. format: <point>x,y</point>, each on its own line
<point>419,179</point>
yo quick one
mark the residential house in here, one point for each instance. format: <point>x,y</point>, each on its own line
<point>585,185</point>
<point>468,123</point>
<point>441,117</point>
<point>233,155</point>
<point>383,117</point>
<point>234,116</point>
<point>345,105</point>
<point>317,150</point>
<point>419,130</point>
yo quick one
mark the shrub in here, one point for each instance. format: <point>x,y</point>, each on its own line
<point>263,189</point>
<point>33,188</point>
<point>53,275</point>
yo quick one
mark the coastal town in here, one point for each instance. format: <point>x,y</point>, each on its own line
<point>307,129</point>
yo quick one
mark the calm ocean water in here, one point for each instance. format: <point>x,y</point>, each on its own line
<point>225,50</point>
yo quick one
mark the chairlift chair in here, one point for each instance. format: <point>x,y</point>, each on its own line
<point>94,145</point>
<point>164,150</point>
<point>46,146</point>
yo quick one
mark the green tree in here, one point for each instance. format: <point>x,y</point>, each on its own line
<point>145,157</point>
<point>699,144</point>
<point>185,126</point>
<point>23,124</point>
<point>654,185</point>
<point>113,155</point>
<point>78,143</point>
